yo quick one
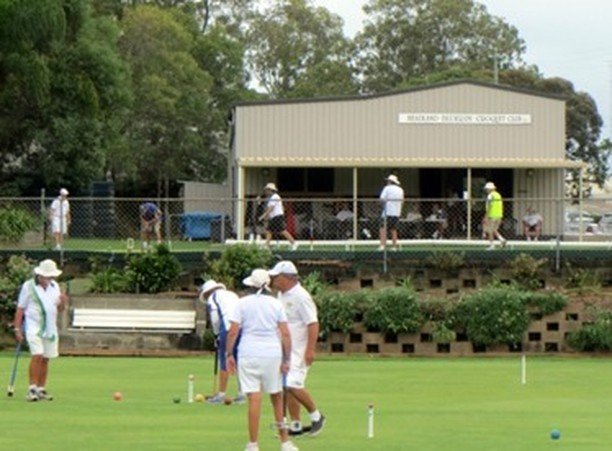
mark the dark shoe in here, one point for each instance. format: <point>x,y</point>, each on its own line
<point>295,433</point>
<point>317,426</point>
<point>44,396</point>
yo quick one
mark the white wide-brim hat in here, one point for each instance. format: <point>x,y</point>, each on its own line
<point>393,179</point>
<point>489,186</point>
<point>209,286</point>
<point>271,186</point>
<point>64,192</point>
<point>47,268</point>
<point>259,278</point>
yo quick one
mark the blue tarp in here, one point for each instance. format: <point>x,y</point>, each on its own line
<point>196,225</point>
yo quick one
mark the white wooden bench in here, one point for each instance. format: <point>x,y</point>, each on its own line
<point>133,320</point>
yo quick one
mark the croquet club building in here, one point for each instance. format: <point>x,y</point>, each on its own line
<point>440,140</point>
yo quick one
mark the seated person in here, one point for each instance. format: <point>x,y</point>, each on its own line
<point>413,214</point>
<point>532,224</point>
<point>345,217</point>
<point>344,213</point>
<point>439,216</point>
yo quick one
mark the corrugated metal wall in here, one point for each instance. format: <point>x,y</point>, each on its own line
<point>543,189</point>
<point>308,133</point>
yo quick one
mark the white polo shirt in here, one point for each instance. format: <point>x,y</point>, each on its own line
<point>301,311</point>
<point>276,203</point>
<point>60,209</point>
<point>227,301</point>
<point>393,197</point>
<point>259,316</point>
<point>50,299</point>
<point>532,219</point>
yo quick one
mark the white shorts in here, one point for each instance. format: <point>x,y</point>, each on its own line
<point>58,226</point>
<point>260,375</point>
<point>40,346</point>
<point>296,377</point>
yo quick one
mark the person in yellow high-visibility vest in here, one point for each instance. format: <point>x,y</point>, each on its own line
<point>493,215</point>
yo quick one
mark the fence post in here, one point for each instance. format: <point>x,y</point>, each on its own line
<point>43,216</point>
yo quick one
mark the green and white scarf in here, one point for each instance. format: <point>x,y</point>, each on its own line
<point>43,332</point>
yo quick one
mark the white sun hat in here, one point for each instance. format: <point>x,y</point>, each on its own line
<point>271,186</point>
<point>489,186</point>
<point>283,267</point>
<point>259,278</point>
<point>207,287</point>
<point>47,268</point>
<point>64,192</point>
<point>393,179</point>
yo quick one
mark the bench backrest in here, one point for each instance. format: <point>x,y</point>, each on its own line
<point>162,320</point>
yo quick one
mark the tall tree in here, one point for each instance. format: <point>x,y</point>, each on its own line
<point>294,49</point>
<point>63,91</point>
<point>403,39</point>
<point>172,111</point>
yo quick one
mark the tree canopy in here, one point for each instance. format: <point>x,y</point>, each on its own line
<point>143,88</point>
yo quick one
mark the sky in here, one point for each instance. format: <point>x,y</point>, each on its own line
<point>571,39</point>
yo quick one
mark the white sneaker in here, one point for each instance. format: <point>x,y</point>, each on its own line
<point>394,248</point>
<point>288,446</point>
<point>251,447</point>
<point>58,247</point>
<point>381,248</point>
<point>491,247</point>
<point>504,242</point>
<point>294,246</point>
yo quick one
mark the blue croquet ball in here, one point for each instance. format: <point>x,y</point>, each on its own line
<point>555,434</point>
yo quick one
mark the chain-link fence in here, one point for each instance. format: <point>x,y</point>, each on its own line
<point>310,225</point>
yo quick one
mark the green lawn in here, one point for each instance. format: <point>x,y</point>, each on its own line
<point>421,404</point>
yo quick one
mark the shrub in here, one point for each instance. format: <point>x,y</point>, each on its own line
<point>582,278</point>
<point>15,271</point>
<point>153,272</point>
<point>314,284</point>
<point>237,262</point>
<point>545,303</point>
<point>494,315</point>
<point>448,262</point>
<point>527,271</point>
<point>393,311</point>
<point>442,333</point>
<point>337,310</point>
<point>596,336</point>
<point>14,223</point>
<point>110,280</point>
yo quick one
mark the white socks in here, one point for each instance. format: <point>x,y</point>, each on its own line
<point>315,416</point>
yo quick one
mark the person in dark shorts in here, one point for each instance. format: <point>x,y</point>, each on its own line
<point>275,214</point>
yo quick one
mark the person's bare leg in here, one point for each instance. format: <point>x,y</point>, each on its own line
<point>288,236</point>
<point>253,415</point>
<point>34,369</point>
<point>223,378</point>
<point>294,407</point>
<point>394,237</point>
<point>42,372</point>
<point>383,236</point>
<point>277,404</point>
<point>268,238</point>
<point>301,396</point>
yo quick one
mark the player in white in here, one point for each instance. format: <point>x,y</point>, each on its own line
<point>59,216</point>
<point>220,303</point>
<point>304,327</point>
<point>391,198</point>
<point>39,301</point>
<point>264,354</point>
<point>275,214</point>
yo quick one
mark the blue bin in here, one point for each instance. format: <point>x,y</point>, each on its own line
<point>196,225</point>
